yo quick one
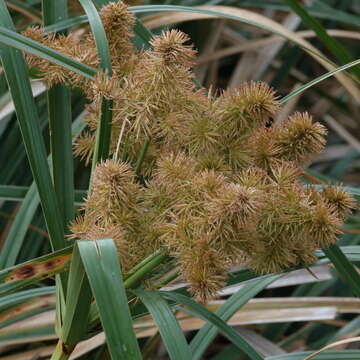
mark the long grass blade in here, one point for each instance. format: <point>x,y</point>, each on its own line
<point>20,42</point>
<point>103,270</point>
<point>315,81</point>
<point>330,355</point>
<point>33,271</point>
<point>103,132</point>
<point>18,81</point>
<point>19,227</point>
<point>77,303</point>
<point>208,332</point>
<point>59,108</point>
<point>332,44</point>
<point>171,333</point>
<point>18,193</point>
<point>346,269</point>
<point>22,296</point>
<point>205,314</point>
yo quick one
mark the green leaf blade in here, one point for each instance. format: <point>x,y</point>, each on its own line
<point>103,270</point>
<point>171,333</point>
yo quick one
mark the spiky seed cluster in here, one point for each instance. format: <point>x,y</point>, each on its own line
<point>221,181</point>
<point>249,106</point>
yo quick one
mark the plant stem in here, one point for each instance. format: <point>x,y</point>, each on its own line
<point>62,351</point>
<point>142,263</point>
<point>141,157</point>
<point>156,259</point>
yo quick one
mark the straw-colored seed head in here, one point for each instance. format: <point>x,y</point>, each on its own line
<point>203,268</point>
<point>299,137</point>
<point>173,168</point>
<point>219,182</point>
<point>285,173</point>
<point>84,146</point>
<point>250,105</point>
<point>252,177</point>
<point>170,46</point>
<point>322,225</point>
<point>343,202</point>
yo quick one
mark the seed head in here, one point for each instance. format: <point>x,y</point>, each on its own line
<point>118,23</point>
<point>250,105</point>
<point>170,47</point>
<point>173,168</point>
<point>299,137</point>
<point>322,225</point>
<point>343,202</point>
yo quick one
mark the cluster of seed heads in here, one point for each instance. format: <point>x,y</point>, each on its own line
<point>219,182</point>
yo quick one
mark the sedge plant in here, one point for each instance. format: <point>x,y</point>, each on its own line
<point>195,183</point>
<point>219,182</point>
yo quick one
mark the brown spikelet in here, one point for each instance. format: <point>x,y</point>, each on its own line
<point>250,105</point>
<point>170,47</point>
<point>174,168</point>
<point>200,136</point>
<point>322,225</point>
<point>235,204</point>
<point>237,152</point>
<point>285,173</point>
<point>102,86</point>
<point>84,146</point>
<point>272,257</point>
<point>252,177</point>
<point>114,181</point>
<point>213,160</point>
<point>37,34</point>
<point>299,137</point>
<point>80,227</point>
<point>343,202</point>
<point>203,268</point>
<point>208,183</point>
<point>264,152</point>
<point>118,23</point>
<point>279,234</point>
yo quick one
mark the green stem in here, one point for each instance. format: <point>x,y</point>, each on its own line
<point>138,275</point>
<point>141,157</point>
<point>62,351</point>
<point>142,263</point>
<point>168,278</point>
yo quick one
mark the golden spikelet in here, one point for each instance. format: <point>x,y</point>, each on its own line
<point>264,152</point>
<point>252,177</point>
<point>171,49</point>
<point>203,268</point>
<point>118,23</point>
<point>285,173</point>
<point>299,137</point>
<point>322,225</point>
<point>84,146</point>
<point>246,107</point>
<point>173,168</point>
<point>342,201</point>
